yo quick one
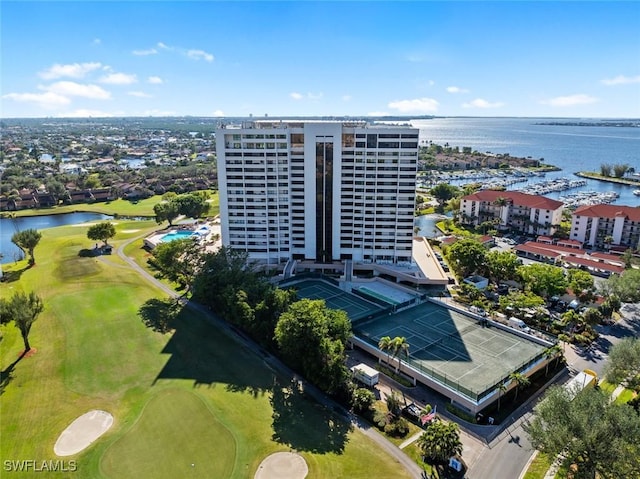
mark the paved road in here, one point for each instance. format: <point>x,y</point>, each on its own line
<point>398,455</point>
<point>511,450</point>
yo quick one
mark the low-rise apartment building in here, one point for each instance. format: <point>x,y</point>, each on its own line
<point>531,214</point>
<point>601,225</point>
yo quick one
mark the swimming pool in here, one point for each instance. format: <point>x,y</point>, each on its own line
<point>176,235</point>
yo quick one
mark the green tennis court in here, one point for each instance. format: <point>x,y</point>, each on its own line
<point>452,347</point>
<point>355,307</point>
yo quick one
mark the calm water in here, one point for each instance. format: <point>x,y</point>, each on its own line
<point>9,226</point>
<point>572,148</point>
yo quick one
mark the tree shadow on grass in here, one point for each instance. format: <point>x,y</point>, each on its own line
<point>159,314</point>
<point>6,375</point>
<point>13,275</point>
<point>201,351</point>
<point>305,425</point>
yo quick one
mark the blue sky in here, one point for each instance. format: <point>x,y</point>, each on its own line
<point>210,58</point>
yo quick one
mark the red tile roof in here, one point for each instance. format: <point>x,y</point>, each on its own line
<point>609,211</point>
<point>594,264</point>
<point>556,248</point>
<point>517,198</point>
<point>530,247</point>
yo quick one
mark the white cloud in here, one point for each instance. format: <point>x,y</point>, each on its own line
<point>199,55</point>
<point>69,88</point>
<point>155,80</point>
<point>96,41</point>
<point>119,79</point>
<point>218,113</point>
<point>163,46</point>
<point>85,113</point>
<point>378,113</point>
<point>139,94</point>
<point>346,97</point>
<point>72,70</point>
<point>417,105</point>
<point>456,89</point>
<point>570,100</point>
<point>142,53</point>
<point>308,96</point>
<point>482,103</point>
<point>621,80</point>
<point>46,100</point>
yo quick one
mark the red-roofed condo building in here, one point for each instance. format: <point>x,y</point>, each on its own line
<point>532,214</point>
<point>606,224</point>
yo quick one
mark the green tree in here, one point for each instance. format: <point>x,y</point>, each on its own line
<point>192,205</point>
<point>400,347</point>
<point>520,300</point>
<point>598,436</point>
<point>101,231</point>
<point>501,265</point>
<point>552,352</point>
<point>362,400</point>
<point>624,361</point>
<point>57,189</point>
<point>466,256</point>
<point>27,240</point>
<point>592,316</point>
<point>626,287</point>
<point>166,211</point>
<point>543,279</point>
<point>386,344</point>
<point>580,281</point>
<point>178,261</point>
<point>443,192</point>
<point>312,339</point>
<point>440,441</point>
<point>521,381</point>
<point>23,309</point>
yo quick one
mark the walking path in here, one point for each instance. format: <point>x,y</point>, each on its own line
<point>396,453</point>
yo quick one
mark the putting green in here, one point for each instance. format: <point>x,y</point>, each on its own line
<point>176,436</point>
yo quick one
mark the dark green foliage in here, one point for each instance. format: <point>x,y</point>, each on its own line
<point>27,240</point>
<point>166,211</point>
<point>312,339</point>
<point>23,309</point>
<point>624,361</point>
<point>362,399</point>
<point>440,441</point>
<point>178,260</point>
<point>598,436</point>
<point>101,232</point>
<point>466,256</point>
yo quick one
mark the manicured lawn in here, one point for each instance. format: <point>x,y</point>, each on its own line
<point>174,396</point>
<point>120,207</point>
<point>161,443</point>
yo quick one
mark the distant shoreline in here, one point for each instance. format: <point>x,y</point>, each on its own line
<point>597,176</point>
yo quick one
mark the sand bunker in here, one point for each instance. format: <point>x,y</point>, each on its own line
<point>82,432</point>
<point>282,465</point>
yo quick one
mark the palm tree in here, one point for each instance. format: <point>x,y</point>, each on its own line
<point>386,344</point>
<point>400,346</point>
<point>502,202</point>
<point>551,352</point>
<point>440,441</point>
<point>502,388</point>
<point>27,240</point>
<point>521,381</point>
